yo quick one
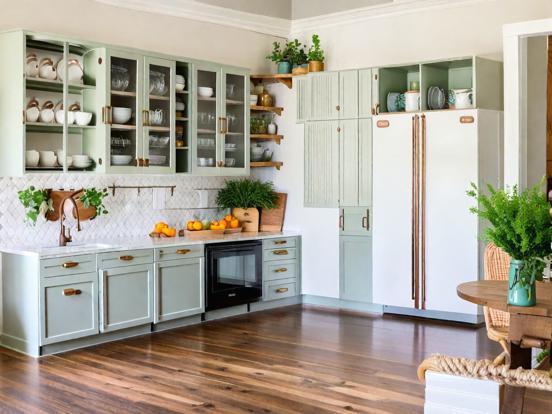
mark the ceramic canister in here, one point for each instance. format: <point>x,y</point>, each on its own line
<point>463,98</point>
<point>412,101</point>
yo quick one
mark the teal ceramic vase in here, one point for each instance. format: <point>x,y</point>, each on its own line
<point>518,295</point>
<point>284,67</point>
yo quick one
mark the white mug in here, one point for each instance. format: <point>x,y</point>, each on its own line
<point>463,98</point>
<point>412,101</point>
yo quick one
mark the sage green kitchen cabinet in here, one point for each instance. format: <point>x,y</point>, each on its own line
<point>126,296</point>
<point>68,307</point>
<point>349,159</point>
<point>324,89</point>
<point>354,221</point>
<point>179,287</point>
<point>348,94</point>
<point>367,84</point>
<point>221,129</point>
<point>355,268</point>
<point>365,162</point>
<point>303,98</point>
<point>321,166</point>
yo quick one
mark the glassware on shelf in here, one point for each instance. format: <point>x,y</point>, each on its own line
<point>120,78</point>
<point>230,90</point>
<point>157,83</point>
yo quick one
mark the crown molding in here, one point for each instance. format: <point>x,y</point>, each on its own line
<point>194,10</point>
<point>397,7</point>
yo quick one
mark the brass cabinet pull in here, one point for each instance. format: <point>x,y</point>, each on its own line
<point>280,270</point>
<point>282,290</point>
<point>342,220</point>
<point>280,252</point>
<point>221,127</point>
<point>68,265</point>
<point>338,108</point>
<point>109,115</point>
<point>146,162</point>
<point>280,242</point>
<point>71,292</point>
<point>126,258</point>
<point>183,251</point>
<point>145,118</point>
<point>364,222</point>
<point>466,119</point>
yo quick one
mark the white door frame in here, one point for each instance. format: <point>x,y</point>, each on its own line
<point>515,96</point>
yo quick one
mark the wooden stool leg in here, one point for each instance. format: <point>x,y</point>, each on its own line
<point>514,396</point>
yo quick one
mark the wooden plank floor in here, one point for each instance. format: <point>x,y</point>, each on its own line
<point>290,360</point>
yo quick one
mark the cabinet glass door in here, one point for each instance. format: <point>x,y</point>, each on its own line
<point>123,113</point>
<point>235,123</point>
<point>159,115</point>
<point>208,122</point>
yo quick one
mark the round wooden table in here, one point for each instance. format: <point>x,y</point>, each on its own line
<point>527,325</point>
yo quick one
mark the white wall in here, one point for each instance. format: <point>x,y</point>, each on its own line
<point>458,31</point>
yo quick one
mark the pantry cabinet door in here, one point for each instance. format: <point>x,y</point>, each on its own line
<point>348,94</point>
<point>325,96</point>
<point>303,98</point>
<point>364,93</point>
<point>365,162</point>
<point>321,164</point>
<point>348,163</point>
<point>355,265</point>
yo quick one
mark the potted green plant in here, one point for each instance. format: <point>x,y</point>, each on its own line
<point>316,55</point>
<point>92,201</point>
<point>36,202</point>
<point>297,57</point>
<point>245,197</point>
<point>521,225</point>
<point>280,57</point>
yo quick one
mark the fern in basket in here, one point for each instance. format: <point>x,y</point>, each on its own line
<point>247,193</point>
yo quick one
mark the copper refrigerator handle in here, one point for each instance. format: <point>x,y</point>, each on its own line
<point>422,216</point>
<point>416,215</point>
<point>412,223</point>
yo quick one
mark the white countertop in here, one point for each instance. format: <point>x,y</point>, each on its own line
<point>132,243</point>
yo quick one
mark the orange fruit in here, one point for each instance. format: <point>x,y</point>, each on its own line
<point>169,231</point>
<point>197,225</point>
<point>223,224</point>
<point>228,218</point>
<point>190,225</point>
<point>235,223</point>
<point>160,226</point>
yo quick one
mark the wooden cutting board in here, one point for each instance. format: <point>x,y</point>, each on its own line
<point>273,219</point>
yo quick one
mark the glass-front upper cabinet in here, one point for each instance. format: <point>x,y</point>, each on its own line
<point>221,121</point>
<point>159,115</point>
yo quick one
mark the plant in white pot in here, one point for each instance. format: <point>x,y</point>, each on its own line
<point>521,225</point>
<point>245,197</point>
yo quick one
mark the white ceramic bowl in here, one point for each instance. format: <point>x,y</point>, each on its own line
<point>48,159</point>
<point>82,118</point>
<point>69,161</point>
<point>204,91</point>
<point>121,159</point>
<point>121,115</point>
<point>253,99</point>
<point>179,87</point>
<point>81,161</point>
<point>31,158</point>
<point>60,117</point>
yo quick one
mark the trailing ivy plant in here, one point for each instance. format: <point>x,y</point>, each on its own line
<point>316,54</point>
<point>36,202</point>
<point>94,197</point>
<point>278,54</point>
<point>520,224</point>
<point>247,193</point>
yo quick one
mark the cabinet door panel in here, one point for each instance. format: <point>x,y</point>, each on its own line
<point>69,307</point>
<point>392,207</point>
<point>303,98</point>
<point>348,94</point>
<point>325,96</point>
<point>355,267</point>
<point>126,297</point>
<point>355,221</point>
<point>321,164</point>
<point>179,289</point>
<point>452,164</point>
<point>348,163</point>
<point>364,93</point>
<point>365,162</point>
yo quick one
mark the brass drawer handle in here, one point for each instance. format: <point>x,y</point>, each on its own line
<point>71,292</point>
<point>281,270</point>
<point>183,251</point>
<point>280,252</point>
<point>280,242</point>
<point>282,290</point>
<point>126,258</point>
<point>68,265</point>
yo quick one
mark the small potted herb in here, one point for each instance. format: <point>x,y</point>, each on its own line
<point>521,225</point>
<point>297,57</point>
<point>92,203</point>
<point>316,55</point>
<point>280,57</point>
<point>36,202</point>
<point>245,197</point>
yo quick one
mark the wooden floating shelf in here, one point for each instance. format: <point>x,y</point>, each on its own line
<point>210,99</point>
<point>124,93</point>
<point>285,78</point>
<point>159,98</point>
<point>233,102</point>
<point>206,131</point>
<point>260,164</point>
<point>267,137</point>
<point>123,127</point>
<point>179,118</point>
<point>274,109</point>
<point>159,128</point>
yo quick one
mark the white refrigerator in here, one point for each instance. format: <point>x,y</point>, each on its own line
<point>425,240</point>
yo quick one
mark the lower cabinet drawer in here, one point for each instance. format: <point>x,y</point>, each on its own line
<point>69,265</point>
<point>279,243</point>
<point>125,258</point>
<point>280,289</point>
<point>277,270</point>
<point>68,307</point>
<point>179,252</point>
<point>280,254</point>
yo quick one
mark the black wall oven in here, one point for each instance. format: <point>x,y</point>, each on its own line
<point>233,273</point>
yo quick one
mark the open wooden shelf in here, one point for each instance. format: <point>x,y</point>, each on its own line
<point>260,164</point>
<point>285,78</point>
<point>267,137</point>
<point>180,118</point>
<point>274,109</point>
<point>159,98</point>
<point>123,93</point>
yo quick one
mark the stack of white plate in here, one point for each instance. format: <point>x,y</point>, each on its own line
<point>180,83</point>
<point>81,161</point>
<point>435,98</point>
